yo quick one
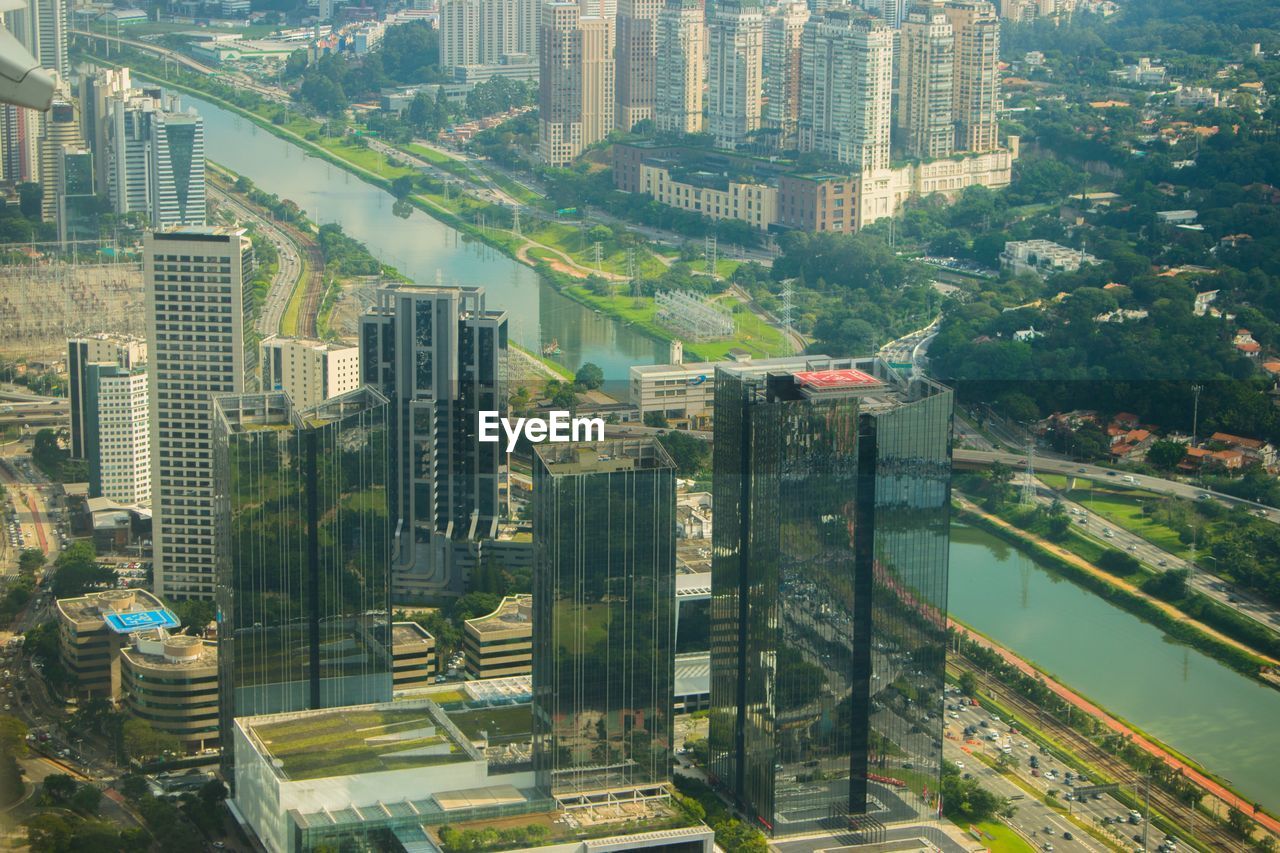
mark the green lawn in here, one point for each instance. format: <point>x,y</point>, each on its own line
<point>1124,508</point>
<point>507,723</point>
<point>1054,481</point>
<point>1002,839</point>
<point>338,743</point>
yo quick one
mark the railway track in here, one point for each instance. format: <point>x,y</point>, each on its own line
<point>1200,826</point>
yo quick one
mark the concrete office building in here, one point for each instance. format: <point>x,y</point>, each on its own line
<point>61,126</point>
<point>487,32</point>
<point>500,644</point>
<point>309,371</point>
<point>689,390</point>
<point>170,681</point>
<point>195,281</point>
<point>604,617</point>
<point>926,82</point>
<point>735,58</point>
<point>304,588</point>
<point>828,594</point>
<point>155,159</point>
<point>118,437</point>
<point>121,350</point>
<point>91,633</point>
<point>413,656</point>
<point>636,61</point>
<point>575,84</point>
<point>783,29</point>
<point>440,357</point>
<point>976,82</point>
<point>681,67</point>
<point>847,95</point>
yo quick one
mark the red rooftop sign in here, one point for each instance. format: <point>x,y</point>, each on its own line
<point>821,379</point>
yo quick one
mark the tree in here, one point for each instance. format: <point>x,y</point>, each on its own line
<point>402,187</point>
<point>655,419</point>
<point>1239,822</point>
<point>30,198</point>
<point>57,788</point>
<point>86,800</point>
<point>13,736</point>
<point>1166,454</point>
<point>143,742</point>
<point>77,570</point>
<point>968,683</point>
<point>194,613</point>
<point>589,376</point>
<point>688,452</point>
<point>1119,563</point>
<point>1170,585</point>
<point>30,560</point>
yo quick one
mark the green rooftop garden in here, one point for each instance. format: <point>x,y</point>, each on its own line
<point>341,742</point>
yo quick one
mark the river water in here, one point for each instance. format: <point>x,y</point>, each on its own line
<point>1184,698</point>
<point>421,247</point>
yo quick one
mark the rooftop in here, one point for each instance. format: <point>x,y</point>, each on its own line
<point>408,634</point>
<point>157,649</point>
<point>515,611</point>
<point>125,608</point>
<point>357,739</point>
<point>603,457</point>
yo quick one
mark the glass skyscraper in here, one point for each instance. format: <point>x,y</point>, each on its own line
<point>828,599</point>
<point>604,616</point>
<point>440,358</point>
<point>303,593</point>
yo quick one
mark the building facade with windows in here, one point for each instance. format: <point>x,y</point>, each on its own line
<point>681,67</point>
<point>500,644</point>
<point>122,350</point>
<point>828,593</point>
<point>735,63</point>
<point>439,356</point>
<point>604,616</point>
<point>118,438</point>
<point>309,371</point>
<point>303,553</point>
<point>195,280</point>
<point>170,681</point>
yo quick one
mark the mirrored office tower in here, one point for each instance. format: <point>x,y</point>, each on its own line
<point>440,358</point>
<point>303,530</point>
<point>603,617</point>
<point>828,594</point>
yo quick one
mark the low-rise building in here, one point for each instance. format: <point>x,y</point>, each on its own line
<point>1042,257</point>
<point>712,194</point>
<point>309,371</point>
<point>680,391</point>
<point>93,628</point>
<point>170,681</point>
<point>413,656</point>
<point>501,643</point>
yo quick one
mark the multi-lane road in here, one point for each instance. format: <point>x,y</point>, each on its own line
<point>290,261</point>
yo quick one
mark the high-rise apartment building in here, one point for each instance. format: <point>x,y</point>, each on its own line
<point>304,597</point>
<point>98,88</point>
<point>487,32</point>
<point>604,616</point>
<point>735,57</point>
<point>19,136</point>
<point>636,61</point>
<point>121,350</point>
<point>976,99</point>
<point>118,436</point>
<point>440,357</point>
<point>61,126</point>
<point>575,86</point>
<point>681,67</point>
<point>846,100</point>
<point>195,281</point>
<point>926,82</point>
<point>41,27</point>
<point>783,29</point>
<point>828,593</point>
<point>310,372</point>
<point>892,12</point>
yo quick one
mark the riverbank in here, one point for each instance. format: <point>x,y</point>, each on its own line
<point>1128,597</point>
<point>1190,770</point>
<point>460,212</point>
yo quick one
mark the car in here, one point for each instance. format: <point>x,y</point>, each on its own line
<point>1162,562</point>
<point>1048,830</point>
<point>1046,846</point>
<point>1204,496</point>
<point>1133,547</point>
<point>1067,836</point>
<point>1111,473</point>
<point>960,764</point>
<point>1081,471</point>
<point>1035,772</point>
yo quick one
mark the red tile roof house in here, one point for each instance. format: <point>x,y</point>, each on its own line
<point>1128,420</point>
<point>1254,450</point>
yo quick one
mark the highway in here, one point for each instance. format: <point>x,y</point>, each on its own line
<point>287,274</point>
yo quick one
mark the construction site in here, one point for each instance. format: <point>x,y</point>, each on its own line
<point>43,302</point>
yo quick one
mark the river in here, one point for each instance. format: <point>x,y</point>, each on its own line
<point>422,247</point>
<point>1184,698</point>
